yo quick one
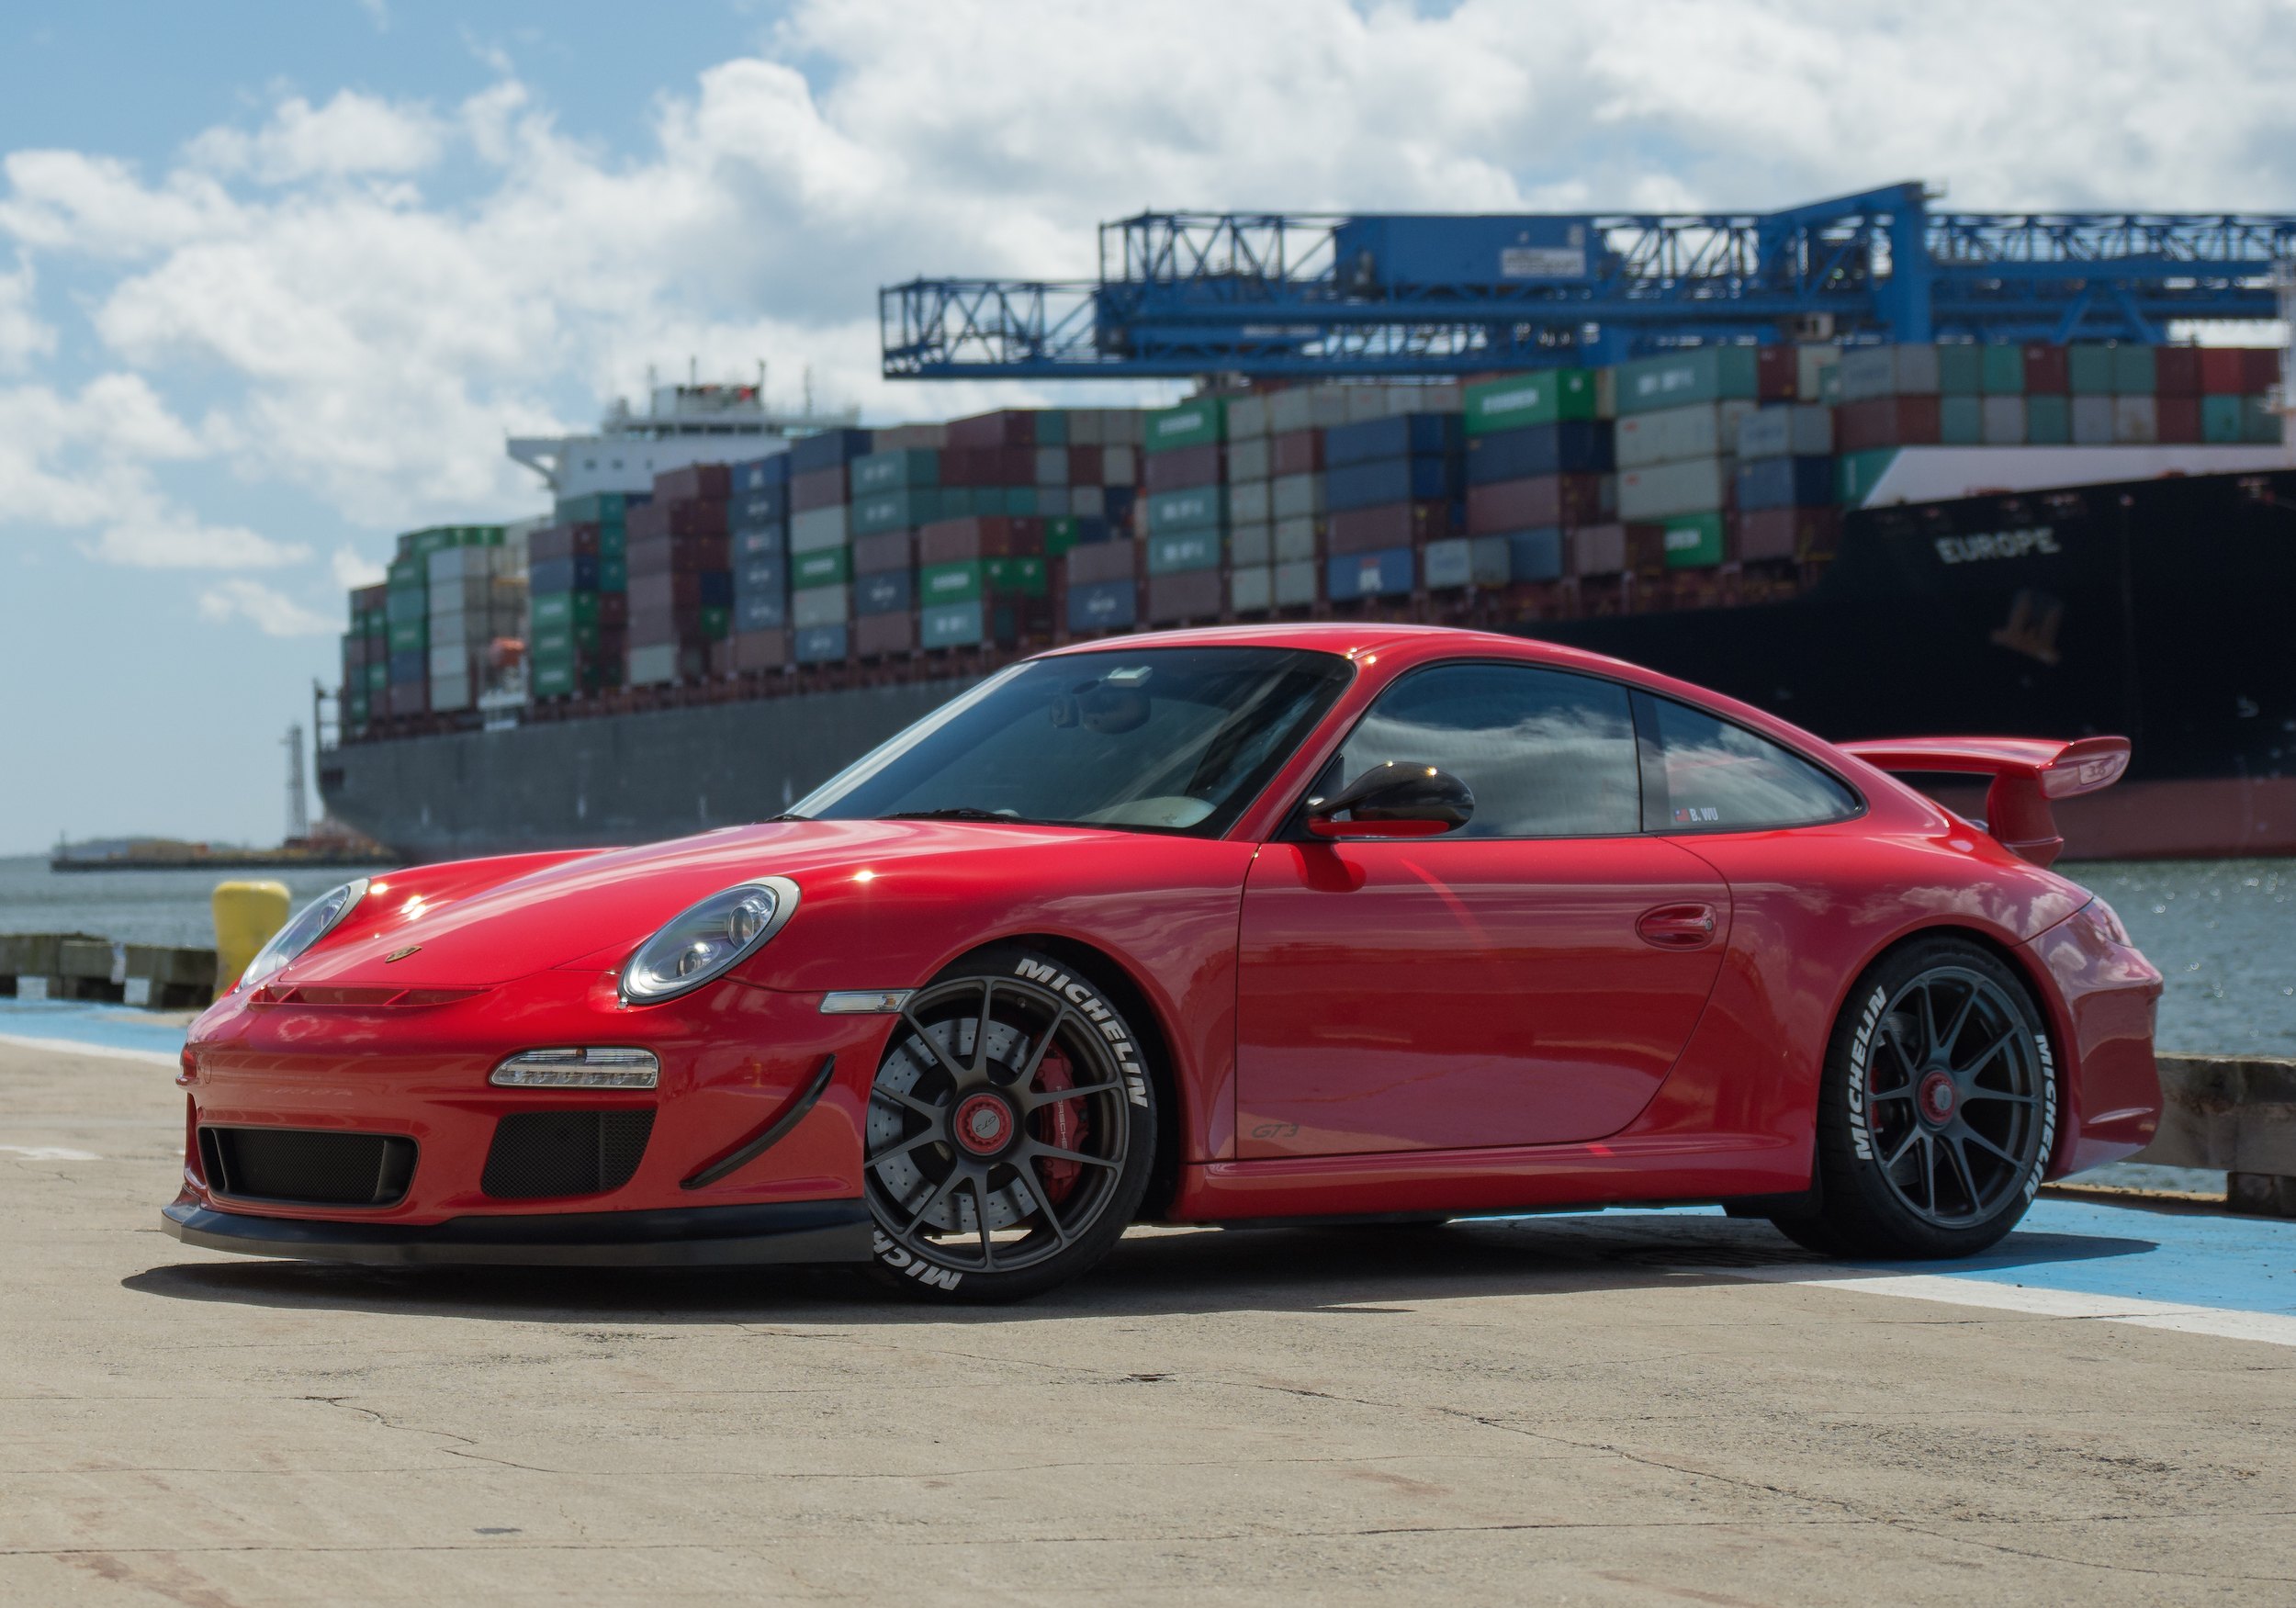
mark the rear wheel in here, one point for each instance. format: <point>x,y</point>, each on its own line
<point>1011,1126</point>
<point>1938,1111</point>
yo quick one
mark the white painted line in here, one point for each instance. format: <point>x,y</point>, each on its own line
<point>48,1152</point>
<point>72,1047</point>
<point>2271,1328</point>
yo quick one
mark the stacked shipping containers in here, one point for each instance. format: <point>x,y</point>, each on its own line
<point>1677,443</point>
<point>367,658</point>
<point>756,526</point>
<point>1391,486</point>
<point>478,597</point>
<point>1185,495</point>
<point>1786,484</point>
<point>985,532</point>
<point>821,544</point>
<point>1539,469</point>
<point>681,575</point>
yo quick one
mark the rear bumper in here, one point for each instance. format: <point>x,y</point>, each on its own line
<point>695,1236</point>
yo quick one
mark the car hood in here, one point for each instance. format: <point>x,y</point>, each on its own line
<point>596,908</point>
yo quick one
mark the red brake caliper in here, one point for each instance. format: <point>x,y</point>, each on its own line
<point>1063,1125</point>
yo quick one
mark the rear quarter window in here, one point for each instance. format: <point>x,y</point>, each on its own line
<point>1700,773</point>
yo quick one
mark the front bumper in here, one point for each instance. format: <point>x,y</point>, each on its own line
<point>742,1115</point>
<point>700,1236</point>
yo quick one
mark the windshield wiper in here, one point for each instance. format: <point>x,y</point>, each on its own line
<point>963,813</point>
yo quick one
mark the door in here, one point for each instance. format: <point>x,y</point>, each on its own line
<point>1529,978</point>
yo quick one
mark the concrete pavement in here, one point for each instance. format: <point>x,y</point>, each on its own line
<point>1593,1409</point>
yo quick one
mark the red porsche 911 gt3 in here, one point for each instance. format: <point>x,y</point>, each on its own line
<point>1342,921</point>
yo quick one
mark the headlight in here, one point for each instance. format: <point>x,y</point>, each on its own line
<point>311,922</point>
<point>706,942</point>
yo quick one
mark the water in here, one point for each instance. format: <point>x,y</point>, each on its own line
<point>135,907</point>
<point>2222,931</point>
<point>2224,934</point>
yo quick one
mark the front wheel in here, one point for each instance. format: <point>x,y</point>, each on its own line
<point>1011,1128</point>
<point>1938,1111</point>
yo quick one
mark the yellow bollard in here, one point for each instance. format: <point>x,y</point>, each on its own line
<point>246,915</point>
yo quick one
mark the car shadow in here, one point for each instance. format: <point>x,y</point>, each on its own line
<point>1153,1272</point>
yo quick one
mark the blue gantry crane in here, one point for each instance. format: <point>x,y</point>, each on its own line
<point>1305,295</point>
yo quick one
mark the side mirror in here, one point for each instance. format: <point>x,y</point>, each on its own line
<point>1398,799</point>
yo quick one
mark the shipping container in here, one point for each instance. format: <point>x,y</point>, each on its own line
<point>1800,430</point>
<point>883,592</point>
<point>1538,555</point>
<point>1397,435</point>
<point>1785,483</point>
<point>1574,447</point>
<point>1464,561</point>
<point>1960,369</point>
<point>1185,595</point>
<point>2002,419</point>
<point>820,645</point>
<point>1250,460</point>
<point>1103,562</point>
<point>824,567</point>
<point>1391,524</point>
<point>2090,369</point>
<point>1961,420</point>
<point>1171,553</point>
<point>1008,427</point>
<point>886,634</point>
<point>1706,374</point>
<point>1544,499</point>
<point>1103,605</point>
<point>1664,490</point>
<point>2048,418</point>
<point>1252,589</point>
<point>894,471</point>
<point>1184,466</point>
<point>901,507</point>
<point>828,450</point>
<point>1793,534</point>
<point>1193,423</point>
<point>1701,430</point>
<point>1297,452</point>
<point>1867,373</point>
<point>1693,541</point>
<point>1253,501</point>
<point>1385,573</point>
<point>1878,421</point>
<point>1390,480</point>
<point>1203,508</point>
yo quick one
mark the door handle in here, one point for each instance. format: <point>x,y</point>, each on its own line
<point>1678,927</point>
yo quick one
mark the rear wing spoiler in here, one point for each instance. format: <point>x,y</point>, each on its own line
<point>2028,774</point>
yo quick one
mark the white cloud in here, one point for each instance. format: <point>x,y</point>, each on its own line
<point>351,335</point>
<point>268,609</point>
<point>352,569</point>
<point>350,134</point>
<point>165,538</point>
<point>23,336</point>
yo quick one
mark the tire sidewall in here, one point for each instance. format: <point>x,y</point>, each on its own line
<point>918,1273</point>
<point>1856,1195</point>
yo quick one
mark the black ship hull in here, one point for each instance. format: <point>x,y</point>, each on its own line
<point>2159,610</point>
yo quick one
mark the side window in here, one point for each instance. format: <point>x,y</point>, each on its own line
<point>1701,773</point>
<point>1547,754</point>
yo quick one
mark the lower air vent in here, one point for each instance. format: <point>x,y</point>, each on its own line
<point>304,1167</point>
<point>536,1153</point>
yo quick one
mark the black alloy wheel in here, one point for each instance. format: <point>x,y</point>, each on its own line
<point>1010,1129</point>
<point>1939,1109</point>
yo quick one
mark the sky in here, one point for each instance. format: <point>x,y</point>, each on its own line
<point>276,279</point>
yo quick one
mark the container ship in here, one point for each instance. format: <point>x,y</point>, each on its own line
<point>724,607</point>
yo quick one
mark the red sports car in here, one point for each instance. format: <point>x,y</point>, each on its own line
<point>1340,921</point>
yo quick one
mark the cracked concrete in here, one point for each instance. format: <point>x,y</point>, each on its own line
<point>1512,1411</point>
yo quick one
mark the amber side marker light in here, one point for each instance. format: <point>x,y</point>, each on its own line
<point>578,1069</point>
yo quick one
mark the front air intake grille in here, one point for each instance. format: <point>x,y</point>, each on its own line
<point>303,1167</point>
<point>565,1152</point>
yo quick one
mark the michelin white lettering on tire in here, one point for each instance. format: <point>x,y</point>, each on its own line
<point>1009,1129</point>
<point>1861,1049</point>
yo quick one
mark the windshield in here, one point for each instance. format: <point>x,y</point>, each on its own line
<point>1165,740</point>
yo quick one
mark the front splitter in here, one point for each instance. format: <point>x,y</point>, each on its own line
<point>693,1236</point>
